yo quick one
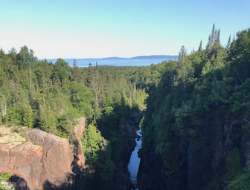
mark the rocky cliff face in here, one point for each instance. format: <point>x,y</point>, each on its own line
<point>43,160</point>
<point>205,161</point>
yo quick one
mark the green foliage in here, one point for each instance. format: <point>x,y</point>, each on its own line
<point>207,68</point>
<point>62,70</point>
<point>48,120</point>
<point>184,68</point>
<point>97,152</point>
<point>82,98</point>
<point>193,87</point>
<point>64,127</point>
<point>233,166</point>
<point>242,182</point>
<point>2,75</point>
<point>15,115</point>
<point>28,118</point>
<point>4,177</point>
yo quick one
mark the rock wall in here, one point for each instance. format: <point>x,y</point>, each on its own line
<point>201,159</point>
<point>56,158</point>
<point>43,160</point>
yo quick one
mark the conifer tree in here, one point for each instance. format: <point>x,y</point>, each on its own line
<point>184,67</point>
<point>209,43</point>
<point>228,43</point>
<point>200,46</point>
<point>213,35</point>
<point>217,41</point>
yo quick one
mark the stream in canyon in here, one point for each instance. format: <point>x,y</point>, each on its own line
<point>134,162</point>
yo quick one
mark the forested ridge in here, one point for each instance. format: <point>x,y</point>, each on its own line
<point>204,91</point>
<point>39,94</point>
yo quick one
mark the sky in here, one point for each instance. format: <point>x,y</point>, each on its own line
<point>117,28</point>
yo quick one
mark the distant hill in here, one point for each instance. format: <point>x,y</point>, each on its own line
<point>155,57</point>
<point>146,57</point>
<point>111,58</point>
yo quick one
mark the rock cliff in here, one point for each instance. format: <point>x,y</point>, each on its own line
<point>41,159</point>
<point>209,160</point>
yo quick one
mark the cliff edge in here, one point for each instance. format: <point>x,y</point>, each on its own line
<point>41,159</point>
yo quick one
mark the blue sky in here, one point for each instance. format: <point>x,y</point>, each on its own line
<point>107,28</point>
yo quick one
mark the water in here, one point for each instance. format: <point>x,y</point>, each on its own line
<point>136,61</point>
<point>134,162</point>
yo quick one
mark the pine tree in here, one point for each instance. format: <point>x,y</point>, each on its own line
<point>28,118</point>
<point>217,41</point>
<point>209,43</point>
<point>228,43</point>
<point>76,72</point>
<point>184,67</point>
<point>213,35</point>
<point>200,46</point>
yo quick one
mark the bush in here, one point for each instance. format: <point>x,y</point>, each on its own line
<point>4,185</point>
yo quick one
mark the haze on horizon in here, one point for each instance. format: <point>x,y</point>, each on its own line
<point>98,29</point>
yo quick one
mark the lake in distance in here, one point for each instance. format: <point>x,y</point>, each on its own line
<point>116,61</point>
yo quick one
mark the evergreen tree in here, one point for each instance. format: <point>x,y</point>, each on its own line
<point>209,44</point>
<point>228,43</point>
<point>213,35</point>
<point>200,46</point>
<point>184,67</point>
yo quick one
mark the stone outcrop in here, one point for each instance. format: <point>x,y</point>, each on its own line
<point>43,160</point>
<point>12,137</point>
<point>4,130</point>
<point>55,160</point>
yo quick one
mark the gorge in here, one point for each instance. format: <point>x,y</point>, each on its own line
<point>194,134</point>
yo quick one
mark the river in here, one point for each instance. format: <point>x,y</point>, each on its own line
<point>134,162</point>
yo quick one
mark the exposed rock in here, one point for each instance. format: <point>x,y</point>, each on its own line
<point>12,137</point>
<point>136,118</point>
<point>79,132</point>
<point>4,130</point>
<point>56,157</point>
<point>25,161</point>
<point>44,161</point>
